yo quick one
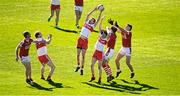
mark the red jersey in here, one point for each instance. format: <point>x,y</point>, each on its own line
<point>24,50</point>
<point>126,39</point>
<point>79,2</point>
<point>112,41</point>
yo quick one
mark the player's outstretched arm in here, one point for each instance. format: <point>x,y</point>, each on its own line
<point>100,24</point>
<point>49,39</point>
<point>17,50</point>
<point>98,18</point>
<point>119,29</point>
<point>88,15</point>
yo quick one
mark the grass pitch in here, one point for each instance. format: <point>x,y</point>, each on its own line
<point>155,48</point>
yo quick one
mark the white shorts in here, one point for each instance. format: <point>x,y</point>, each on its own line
<point>78,8</point>
<point>125,51</point>
<point>25,59</point>
<point>109,54</point>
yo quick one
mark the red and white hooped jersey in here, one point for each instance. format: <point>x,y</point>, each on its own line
<point>87,29</point>
<point>100,44</point>
<point>41,47</point>
<point>24,50</point>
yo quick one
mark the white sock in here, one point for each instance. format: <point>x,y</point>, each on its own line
<point>118,70</point>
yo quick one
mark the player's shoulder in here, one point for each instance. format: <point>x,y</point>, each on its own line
<point>124,31</point>
<point>22,41</point>
<point>130,33</point>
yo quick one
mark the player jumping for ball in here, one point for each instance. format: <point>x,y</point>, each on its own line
<point>82,43</point>
<point>110,51</point>
<point>43,56</point>
<point>125,49</point>
<point>99,52</point>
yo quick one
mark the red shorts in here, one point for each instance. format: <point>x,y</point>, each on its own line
<point>98,55</point>
<point>43,59</point>
<point>55,7</point>
<point>82,43</point>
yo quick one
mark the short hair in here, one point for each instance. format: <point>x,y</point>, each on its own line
<point>130,26</point>
<point>26,33</point>
<point>37,34</point>
<point>104,32</point>
<point>93,19</point>
<point>113,29</point>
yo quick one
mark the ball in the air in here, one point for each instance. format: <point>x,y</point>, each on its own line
<point>100,7</point>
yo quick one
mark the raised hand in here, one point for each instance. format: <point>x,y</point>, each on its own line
<point>50,36</point>
<point>116,24</point>
<point>110,21</point>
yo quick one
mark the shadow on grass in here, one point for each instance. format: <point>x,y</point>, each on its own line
<point>109,87</point>
<point>37,86</point>
<point>52,83</point>
<point>123,88</point>
<point>65,30</point>
<point>144,87</point>
<point>56,85</point>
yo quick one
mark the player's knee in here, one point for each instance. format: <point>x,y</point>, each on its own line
<point>99,67</point>
<point>128,63</point>
<point>57,16</point>
<point>79,16</point>
<point>53,67</point>
<point>83,57</point>
<point>92,65</point>
<point>78,55</point>
<point>28,68</point>
<point>42,66</point>
<point>117,61</point>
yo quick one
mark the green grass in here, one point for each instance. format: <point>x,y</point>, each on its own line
<point>155,44</point>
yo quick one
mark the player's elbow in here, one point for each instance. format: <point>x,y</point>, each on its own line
<point>88,15</point>
<point>17,48</point>
<point>54,67</point>
<point>116,61</point>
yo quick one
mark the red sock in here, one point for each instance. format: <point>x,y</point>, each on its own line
<point>109,70</point>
